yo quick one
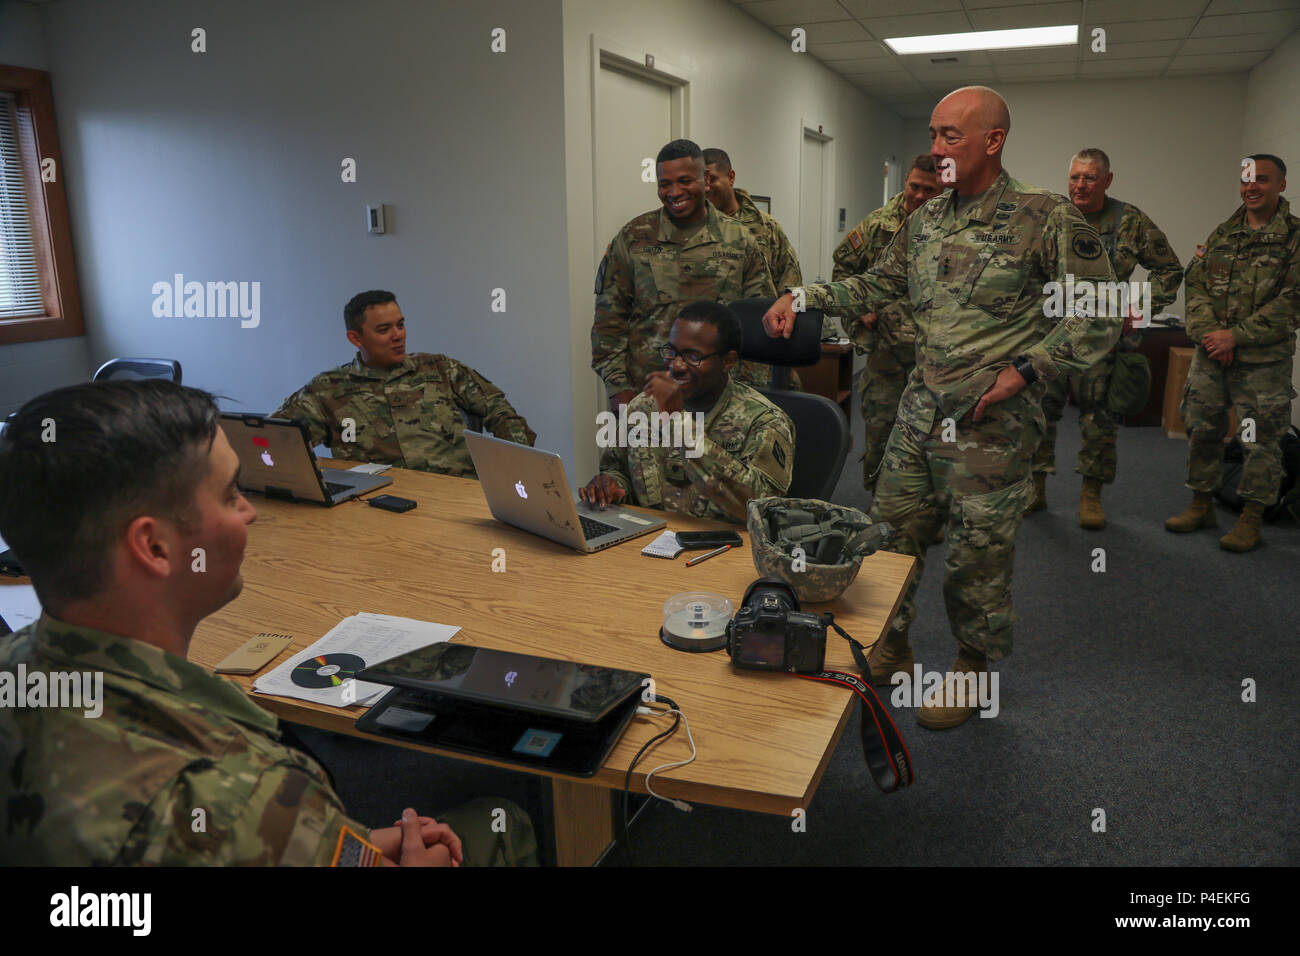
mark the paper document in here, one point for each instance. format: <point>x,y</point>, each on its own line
<point>18,604</point>
<point>323,673</point>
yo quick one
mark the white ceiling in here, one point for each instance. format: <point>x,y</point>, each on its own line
<point>1144,38</point>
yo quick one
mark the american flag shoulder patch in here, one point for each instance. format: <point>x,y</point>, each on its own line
<point>354,850</point>
<point>855,238</point>
<point>1200,250</point>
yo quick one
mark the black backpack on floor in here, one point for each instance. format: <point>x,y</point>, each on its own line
<point>1288,498</point>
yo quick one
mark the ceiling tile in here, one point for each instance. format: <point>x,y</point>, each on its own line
<point>1134,31</point>
<point>833,31</point>
<point>1238,44</point>
<point>1048,54</point>
<point>1101,10</point>
<point>884,8</point>
<point>917,26</point>
<point>1131,51</point>
<point>1219,61</point>
<point>1233,7</point>
<point>1151,66</point>
<point>1279,22</point>
<point>881,66</point>
<point>1037,15</point>
<point>794,11</point>
<point>865,49</point>
<point>1024,71</point>
<point>921,61</point>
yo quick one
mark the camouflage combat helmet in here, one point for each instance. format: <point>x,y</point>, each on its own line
<point>834,539</point>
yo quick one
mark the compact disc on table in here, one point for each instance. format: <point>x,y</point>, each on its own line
<point>696,621</point>
<point>328,670</point>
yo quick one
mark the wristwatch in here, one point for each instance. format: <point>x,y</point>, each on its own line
<point>1026,369</point>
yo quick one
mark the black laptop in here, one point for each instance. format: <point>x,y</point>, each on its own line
<point>537,712</point>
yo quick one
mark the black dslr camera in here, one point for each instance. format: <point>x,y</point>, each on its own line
<point>770,633</point>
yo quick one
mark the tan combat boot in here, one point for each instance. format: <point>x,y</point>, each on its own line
<point>1091,515</point>
<point>1039,502</point>
<point>941,717</point>
<point>890,655</point>
<point>1199,514</point>
<point>1245,535</point>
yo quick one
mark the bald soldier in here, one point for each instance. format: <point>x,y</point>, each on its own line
<point>1243,309</point>
<point>1131,239</point>
<point>889,336</point>
<point>168,764</point>
<point>682,252</point>
<point>975,265</point>
<point>746,451</point>
<point>397,408</point>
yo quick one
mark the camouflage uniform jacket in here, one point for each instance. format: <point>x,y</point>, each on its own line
<point>778,253</point>
<point>649,272</point>
<point>747,452</point>
<point>122,788</point>
<point>408,415</point>
<point>1138,241</point>
<point>977,286</point>
<point>855,254</point>
<point>1248,280</point>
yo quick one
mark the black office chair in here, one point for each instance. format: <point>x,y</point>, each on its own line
<point>134,369</point>
<point>821,430</point>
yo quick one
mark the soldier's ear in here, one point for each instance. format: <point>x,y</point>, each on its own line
<point>354,338</point>
<point>729,360</point>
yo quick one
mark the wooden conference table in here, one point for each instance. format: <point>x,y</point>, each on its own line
<point>763,739</point>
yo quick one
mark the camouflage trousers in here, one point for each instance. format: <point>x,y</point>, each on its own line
<point>1098,425</point>
<point>981,481</point>
<point>490,838</point>
<point>1262,392</point>
<point>757,375</point>
<point>883,380</point>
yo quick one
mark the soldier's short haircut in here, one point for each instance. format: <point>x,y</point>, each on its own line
<point>1092,155</point>
<point>78,464</point>
<point>679,149</point>
<point>354,313</point>
<point>717,157</point>
<point>718,316</point>
<point>1275,160</point>
<point>924,162</point>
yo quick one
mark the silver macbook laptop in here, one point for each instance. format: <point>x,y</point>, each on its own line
<point>277,461</point>
<point>526,487</point>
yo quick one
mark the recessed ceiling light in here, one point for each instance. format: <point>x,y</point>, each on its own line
<point>986,40</point>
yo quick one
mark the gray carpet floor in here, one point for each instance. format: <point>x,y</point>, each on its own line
<point>1122,703</point>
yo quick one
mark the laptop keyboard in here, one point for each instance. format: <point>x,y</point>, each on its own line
<point>591,528</point>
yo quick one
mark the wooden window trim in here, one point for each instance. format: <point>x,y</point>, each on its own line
<point>38,139</point>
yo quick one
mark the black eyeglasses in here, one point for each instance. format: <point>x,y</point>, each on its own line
<point>690,357</point>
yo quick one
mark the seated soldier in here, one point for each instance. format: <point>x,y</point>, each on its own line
<point>746,449</point>
<point>167,764</point>
<point>399,409</point>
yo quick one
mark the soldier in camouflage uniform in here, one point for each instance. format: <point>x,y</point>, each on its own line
<point>888,336</point>
<point>974,265</point>
<point>1130,238</point>
<point>399,409</point>
<point>778,253</point>
<point>1243,308</point>
<point>172,765</point>
<point>661,260</point>
<point>746,451</point>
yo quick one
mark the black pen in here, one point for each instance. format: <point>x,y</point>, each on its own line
<point>705,557</point>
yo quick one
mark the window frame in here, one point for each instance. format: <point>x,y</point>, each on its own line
<point>38,140</point>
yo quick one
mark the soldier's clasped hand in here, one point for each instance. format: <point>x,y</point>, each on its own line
<point>778,321</point>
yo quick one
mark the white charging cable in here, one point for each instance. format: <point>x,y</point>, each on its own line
<point>679,804</point>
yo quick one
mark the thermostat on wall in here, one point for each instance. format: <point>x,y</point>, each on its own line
<point>375,219</point>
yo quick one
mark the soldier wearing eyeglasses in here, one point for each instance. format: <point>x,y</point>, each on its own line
<point>746,448</point>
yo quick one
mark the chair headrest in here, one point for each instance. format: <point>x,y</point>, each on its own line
<point>801,349</point>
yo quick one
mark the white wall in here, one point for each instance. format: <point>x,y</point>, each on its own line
<point>30,368</point>
<point>748,93</point>
<point>1272,125</point>
<point>225,166</point>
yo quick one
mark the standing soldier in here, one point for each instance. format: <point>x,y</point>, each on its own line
<point>1243,307</point>
<point>1130,238</point>
<point>975,265</point>
<point>782,263</point>
<point>658,262</point>
<point>889,336</point>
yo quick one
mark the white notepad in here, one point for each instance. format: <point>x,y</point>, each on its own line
<point>664,546</point>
